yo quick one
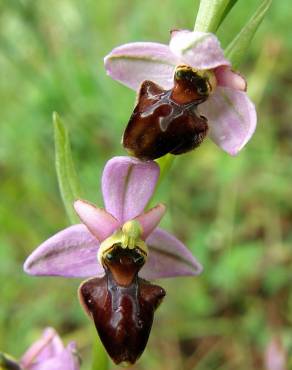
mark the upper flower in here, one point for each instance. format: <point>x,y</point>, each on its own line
<point>47,353</point>
<point>230,113</point>
<point>127,186</point>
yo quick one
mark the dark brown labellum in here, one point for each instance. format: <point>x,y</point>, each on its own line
<point>122,305</point>
<point>168,121</point>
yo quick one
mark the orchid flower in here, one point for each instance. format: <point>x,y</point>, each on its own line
<point>275,355</point>
<point>230,113</point>
<point>127,186</point>
<point>47,353</point>
<point>111,246</point>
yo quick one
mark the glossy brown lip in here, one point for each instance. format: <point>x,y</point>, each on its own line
<point>122,310</point>
<point>165,121</point>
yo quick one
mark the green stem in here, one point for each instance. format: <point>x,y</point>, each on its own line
<point>211,13</point>
<point>165,164</point>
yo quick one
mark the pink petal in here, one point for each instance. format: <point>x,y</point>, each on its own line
<point>231,118</point>
<point>127,186</point>
<point>198,49</point>
<point>133,63</point>
<point>275,356</point>
<point>99,222</point>
<point>71,252</point>
<point>150,219</point>
<point>168,257</point>
<point>48,345</point>
<point>226,77</point>
<point>66,360</point>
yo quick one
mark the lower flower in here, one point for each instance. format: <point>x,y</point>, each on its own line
<point>47,353</point>
<point>111,247</point>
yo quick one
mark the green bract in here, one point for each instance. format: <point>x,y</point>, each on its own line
<point>67,178</point>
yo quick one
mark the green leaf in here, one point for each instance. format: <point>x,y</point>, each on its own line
<point>227,10</point>
<point>8,363</point>
<point>236,50</point>
<point>66,174</point>
<point>211,14</point>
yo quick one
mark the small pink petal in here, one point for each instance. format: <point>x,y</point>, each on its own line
<point>198,49</point>
<point>66,360</point>
<point>47,346</point>
<point>127,186</point>
<point>275,356</point>
<point>98,221</point>
<point>168,257</point>
<point>150,219</point>
<point>231,118</point>
<point>71,252</point>
<point>226,77</point>
<point>133,63</point>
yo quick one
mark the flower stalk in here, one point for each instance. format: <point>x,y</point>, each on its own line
<point>211,14</point>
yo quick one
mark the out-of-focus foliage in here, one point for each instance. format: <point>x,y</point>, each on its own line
<point>234,213</point>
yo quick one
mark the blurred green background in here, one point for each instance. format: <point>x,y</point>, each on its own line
<point>235,214</point>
